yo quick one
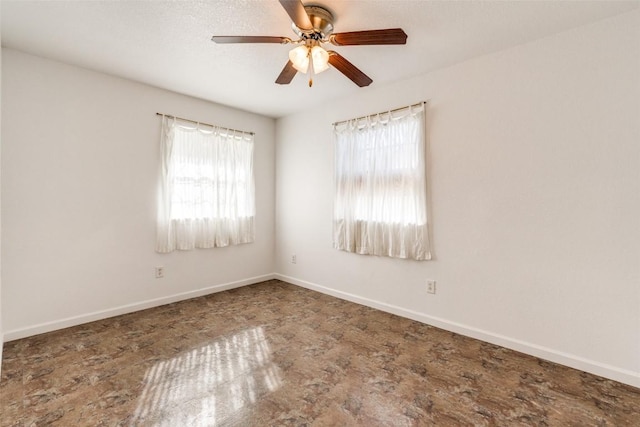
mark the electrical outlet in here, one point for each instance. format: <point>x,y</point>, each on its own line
<point>431,286</point>
<point>294,259</point>
<point>159,272</point>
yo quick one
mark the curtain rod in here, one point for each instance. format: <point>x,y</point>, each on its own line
<point>202,123</point>
<point>383,112</point>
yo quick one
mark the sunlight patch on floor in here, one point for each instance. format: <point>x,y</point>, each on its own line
<point>209,383</point>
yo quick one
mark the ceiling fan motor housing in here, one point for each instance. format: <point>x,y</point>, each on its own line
<point>322,21</point>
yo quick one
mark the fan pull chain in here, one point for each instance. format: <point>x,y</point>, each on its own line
<point>310,68</point>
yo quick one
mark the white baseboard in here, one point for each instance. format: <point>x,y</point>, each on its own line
<point>593,367</point>
<point>604,370</point>
<point>129,308</point>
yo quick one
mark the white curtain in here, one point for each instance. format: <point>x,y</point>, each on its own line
<point>380,203</point>
<point>206,194</point>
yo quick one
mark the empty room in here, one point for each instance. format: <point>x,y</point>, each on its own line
<point>331,213</point>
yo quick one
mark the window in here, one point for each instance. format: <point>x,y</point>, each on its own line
<point>380,185</point>
<point>206,188</point>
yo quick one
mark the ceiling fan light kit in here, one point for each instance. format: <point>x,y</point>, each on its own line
<point>314,26</point>
<point>300,56</point>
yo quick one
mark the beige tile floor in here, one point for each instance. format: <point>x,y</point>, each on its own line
<point>275,354</point>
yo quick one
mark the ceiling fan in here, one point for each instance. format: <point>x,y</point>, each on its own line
<point>313,25</point>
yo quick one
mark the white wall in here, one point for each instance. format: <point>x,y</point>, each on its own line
<point>79,170</point>
<point>1,327</point>
<point>535,192</point>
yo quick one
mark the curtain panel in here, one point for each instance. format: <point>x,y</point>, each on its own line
<point>206,194</point>
<point>380,182</point>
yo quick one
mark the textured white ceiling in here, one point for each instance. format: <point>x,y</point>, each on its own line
<point>168,44</point>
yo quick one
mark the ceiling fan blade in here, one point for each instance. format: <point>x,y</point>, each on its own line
<point>348,69</point>
<point>295,10</point>
<point>287,74</point>
<point>250,39</point>
<point>388,36</point>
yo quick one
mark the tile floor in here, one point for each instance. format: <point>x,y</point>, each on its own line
<point>275,354</point>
